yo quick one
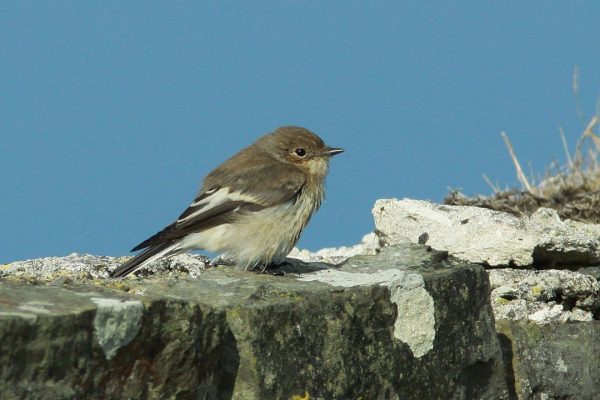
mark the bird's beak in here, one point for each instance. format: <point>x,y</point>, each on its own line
<point>331,151</point>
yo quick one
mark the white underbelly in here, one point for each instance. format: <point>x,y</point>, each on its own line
<point>256,238</point>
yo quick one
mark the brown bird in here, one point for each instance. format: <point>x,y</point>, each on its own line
<point>252,207</point>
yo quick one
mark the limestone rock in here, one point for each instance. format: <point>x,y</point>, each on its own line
<point>546,357</point>
<point>402,324</point>
<point>369,245</point>
<point>478,235</point>
<point>86,266</point>
<point>544,296</point>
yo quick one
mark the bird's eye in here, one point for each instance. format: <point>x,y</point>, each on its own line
<point>300,152</point>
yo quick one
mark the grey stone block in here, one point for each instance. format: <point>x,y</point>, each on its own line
<point>551,361</point>
<point>401,324</point>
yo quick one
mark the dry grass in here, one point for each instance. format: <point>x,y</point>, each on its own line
<point>573,189</point>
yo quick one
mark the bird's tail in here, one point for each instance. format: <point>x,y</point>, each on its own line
<point>147,256</point>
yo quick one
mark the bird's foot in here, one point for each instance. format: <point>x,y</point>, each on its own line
<point>276,269</point>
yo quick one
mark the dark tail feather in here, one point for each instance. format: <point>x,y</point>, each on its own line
<point>156,239</point>
<point>137,261</point>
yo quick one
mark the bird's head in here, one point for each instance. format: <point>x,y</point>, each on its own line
<point>300,147</point>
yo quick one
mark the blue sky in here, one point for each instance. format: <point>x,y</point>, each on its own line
<point>111,112</point>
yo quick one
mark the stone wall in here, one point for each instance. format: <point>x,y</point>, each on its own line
<point>544,279</point>
<point>401,324</point>
<point>397,320</point>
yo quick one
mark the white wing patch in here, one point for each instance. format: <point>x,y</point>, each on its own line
<point>213,198</point>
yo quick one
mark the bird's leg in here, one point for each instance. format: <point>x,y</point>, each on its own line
<point>276,269</point>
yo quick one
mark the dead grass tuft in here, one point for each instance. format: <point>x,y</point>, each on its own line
<point>573,190</point>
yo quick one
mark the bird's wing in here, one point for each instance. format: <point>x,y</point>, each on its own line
<point>225,196</point>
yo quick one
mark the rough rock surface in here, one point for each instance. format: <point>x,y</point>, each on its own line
<point>546,319</point>
<point>402,324</point>
<point>552,361</point>
<point>369,245</point>
<point>90,266</point>
<point>398,322</point>
<point>544,296</point>
<point>493,238</point>
<point>86,266</point>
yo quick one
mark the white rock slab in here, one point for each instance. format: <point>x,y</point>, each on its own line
<point>483,236</point>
